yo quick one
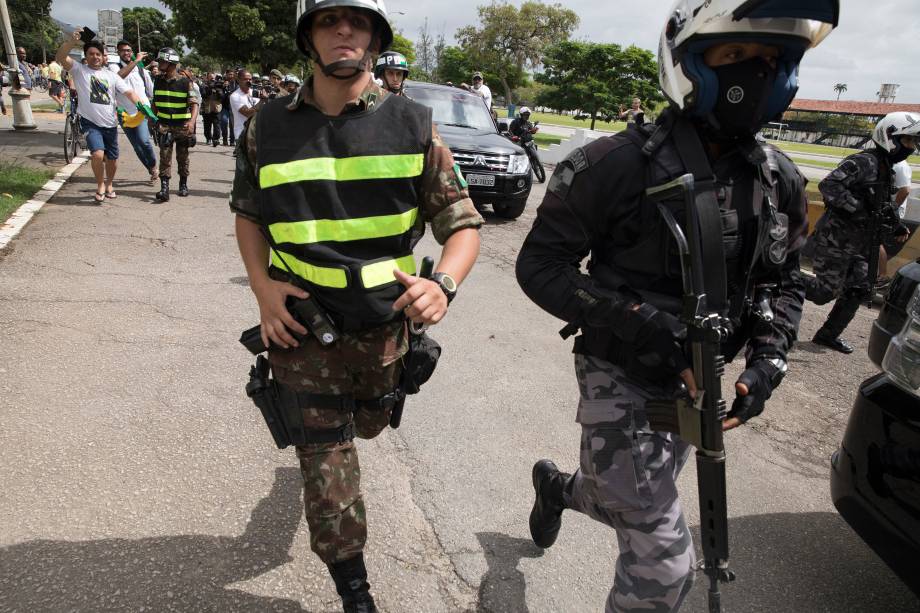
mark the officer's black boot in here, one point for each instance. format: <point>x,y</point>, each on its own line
<point>183,186</point>
<point>546,515</point>
<point>350,577</point>
<point>837,320</point>
<point>163,194</point>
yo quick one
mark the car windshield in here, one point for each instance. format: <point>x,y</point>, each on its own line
<point>454,108</point>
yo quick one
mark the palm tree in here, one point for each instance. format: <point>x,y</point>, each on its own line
<point>840,88</point>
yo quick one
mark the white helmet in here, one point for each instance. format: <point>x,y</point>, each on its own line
<point>892,126</point>
<point>695,25</point>
<point>524,111</point>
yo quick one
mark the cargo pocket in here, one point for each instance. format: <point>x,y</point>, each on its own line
<point>613,466</point>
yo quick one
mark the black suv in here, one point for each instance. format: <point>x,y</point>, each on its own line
<point>497,170</point>
<point>875,474</point>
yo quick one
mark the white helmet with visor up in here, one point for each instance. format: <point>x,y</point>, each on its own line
<point>692,26</point>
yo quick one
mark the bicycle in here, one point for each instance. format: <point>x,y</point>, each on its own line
<point>73,134</point>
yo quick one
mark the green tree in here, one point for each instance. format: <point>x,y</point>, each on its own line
<point>148,20</point>
<point>511,40</point>
<point>840,88</point>
<point>596,78</point>
<point>260,32</point>
<point>403,45</point>
<point>33,28</point>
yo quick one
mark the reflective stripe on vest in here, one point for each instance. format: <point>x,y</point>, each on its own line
<point>162,115</point>
<point>373,274</point>
<point>170,93</point>
<point>343,169</point>
<point>172,105</point>
<point>342,230</point>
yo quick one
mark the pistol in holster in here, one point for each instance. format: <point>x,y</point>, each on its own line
<point>309,314</point>
<point>264,393</point>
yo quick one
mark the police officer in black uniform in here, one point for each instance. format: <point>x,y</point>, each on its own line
<point>727,68</point>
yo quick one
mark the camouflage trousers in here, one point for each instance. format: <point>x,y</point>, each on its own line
<point>626,480</point>
<point>366,365</point>
<point>180,141</point>
<point>840,247</point>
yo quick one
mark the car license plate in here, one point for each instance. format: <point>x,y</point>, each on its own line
<point>481,180</point>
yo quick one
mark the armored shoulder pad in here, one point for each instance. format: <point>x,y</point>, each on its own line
<point>780,163</point>
<point>579,160</point>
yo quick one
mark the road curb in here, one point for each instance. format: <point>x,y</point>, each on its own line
<point>23,215</point>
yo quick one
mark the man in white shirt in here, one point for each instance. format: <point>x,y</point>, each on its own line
<point>133,122</point>
<point>242,102</point>
<point>479,87</point>
<point>893,244</point>
<point>96,88</point>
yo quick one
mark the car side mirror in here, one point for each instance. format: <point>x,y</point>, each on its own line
<point>503,125</point>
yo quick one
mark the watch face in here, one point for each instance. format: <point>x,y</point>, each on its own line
<point>448,283</point>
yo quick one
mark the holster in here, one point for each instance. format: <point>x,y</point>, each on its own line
<point>419,364</point>
<point>262,391</point>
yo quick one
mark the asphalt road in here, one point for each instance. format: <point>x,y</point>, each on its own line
<point>138,477</point>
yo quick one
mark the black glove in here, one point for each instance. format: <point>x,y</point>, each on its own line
<point>761,378</point>
<point>656,337</point>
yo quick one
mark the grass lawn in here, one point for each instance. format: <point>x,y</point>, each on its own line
<point>545,140</point>
<point>825,150</point>
<point>831,165</point>
<point>18,184</point>
<point>569,121</point>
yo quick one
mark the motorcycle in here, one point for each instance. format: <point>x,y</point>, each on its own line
<point>530,146</point>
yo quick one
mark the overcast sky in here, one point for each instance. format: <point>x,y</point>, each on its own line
<point>875,43</point>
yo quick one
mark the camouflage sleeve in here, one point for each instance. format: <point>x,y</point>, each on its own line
<point>444,199</point>
<point>841,188</point>
<point>773,340</point>
<point>245,195</point>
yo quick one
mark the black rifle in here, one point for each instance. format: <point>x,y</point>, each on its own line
<point>396,416</point>
<point>699,420</point>
<point>880,223</point>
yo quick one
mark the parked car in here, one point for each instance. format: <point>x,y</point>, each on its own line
<point>875,473</point>
<point>497,170</point>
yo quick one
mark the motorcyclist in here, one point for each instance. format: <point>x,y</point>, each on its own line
<point>522,124</point>
<point>392,70</point>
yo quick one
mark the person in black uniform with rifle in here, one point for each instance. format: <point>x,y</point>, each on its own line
<point>727,67</point>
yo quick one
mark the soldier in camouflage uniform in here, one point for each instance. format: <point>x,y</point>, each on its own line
<point>175,102</point>
<point>714,55</point>
<point>842,240</point>
<point>365,363</point>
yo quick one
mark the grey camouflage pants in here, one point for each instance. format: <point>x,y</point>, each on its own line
<point>627,480</point>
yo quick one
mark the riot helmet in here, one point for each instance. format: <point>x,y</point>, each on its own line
<point>898,135</point>
<point>169,55</point>
<point>391,60</point>
<point>382,29</point>
<point>735,99</point>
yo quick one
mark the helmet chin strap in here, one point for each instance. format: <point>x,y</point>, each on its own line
<point>355,66</point>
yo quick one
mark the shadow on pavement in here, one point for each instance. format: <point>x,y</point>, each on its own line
<point>802,563</point>
<point>503,587</point>
<point>172,573</point>
<point>34,148</point>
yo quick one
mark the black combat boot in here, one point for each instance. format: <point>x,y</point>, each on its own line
<point>163,194</point>
<point>350,577</point>
<point>546,515</point>
<point>838,319</point>
<point>183,186</point>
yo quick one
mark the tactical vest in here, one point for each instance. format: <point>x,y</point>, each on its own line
<point>339,199</point>
<point>170,97</point>
<point>646,258</point>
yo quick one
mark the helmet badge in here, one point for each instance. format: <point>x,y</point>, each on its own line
<point>735,94</point>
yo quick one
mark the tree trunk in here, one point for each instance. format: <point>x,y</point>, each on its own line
<point>593,118</point>
<point>507,91</point>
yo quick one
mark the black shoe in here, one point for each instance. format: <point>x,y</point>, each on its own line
<point>837,344</point>
<point>183,186</point>
<point>163,194</point>
<point>546,515</point>
<point>224,142</point>
<point>214,143</point>
<point>350,577</point>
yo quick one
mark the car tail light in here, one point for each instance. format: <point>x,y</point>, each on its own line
<point>902,359</point>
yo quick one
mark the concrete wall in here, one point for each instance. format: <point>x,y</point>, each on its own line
<point>557,153</point>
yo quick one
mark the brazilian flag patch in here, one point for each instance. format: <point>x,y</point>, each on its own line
<point>459,174</point>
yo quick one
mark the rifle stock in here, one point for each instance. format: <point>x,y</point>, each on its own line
<point>698,420</point>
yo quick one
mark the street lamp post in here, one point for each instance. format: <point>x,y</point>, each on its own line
<point>22,108</point>
<point>138,24</point>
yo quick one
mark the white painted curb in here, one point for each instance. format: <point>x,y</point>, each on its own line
<point>23,215</point>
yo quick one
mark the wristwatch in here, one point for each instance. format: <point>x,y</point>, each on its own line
<point>446,283</point>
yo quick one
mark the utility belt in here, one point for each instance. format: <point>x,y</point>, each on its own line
<point>282,407</point>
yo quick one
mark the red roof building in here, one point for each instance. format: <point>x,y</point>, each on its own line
<point>851,107</point>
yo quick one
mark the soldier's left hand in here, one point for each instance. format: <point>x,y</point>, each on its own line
<point>189,126</point>
<point>752,390</point>
<point>423,301</point>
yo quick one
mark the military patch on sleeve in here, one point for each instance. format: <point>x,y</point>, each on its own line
<point>564,175</point>
<point>460,178</point>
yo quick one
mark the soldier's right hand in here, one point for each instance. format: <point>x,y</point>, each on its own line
<point>656,339</point>
<point>275,318</point>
